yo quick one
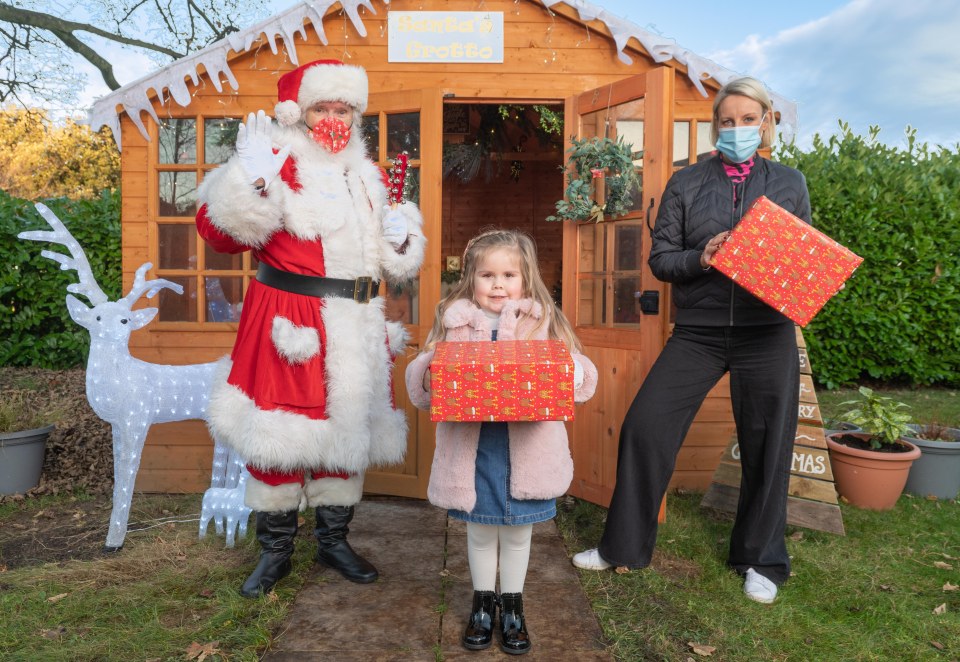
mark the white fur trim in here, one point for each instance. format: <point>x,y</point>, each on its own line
<point>362,428</point>
<point>236,208</point>
<point>282,440</point>
<point>334,491</point>
<point>389,428</point>
<point>397,336</point>
<point>334,82</point>
<point>273,498</point>
<point>297,344</point>
<point>287,113</point>
<point>330,206</point>
<point>358,379</point>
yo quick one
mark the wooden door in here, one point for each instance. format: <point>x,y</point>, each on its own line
<point>411,121</point>
<point>605,272</point>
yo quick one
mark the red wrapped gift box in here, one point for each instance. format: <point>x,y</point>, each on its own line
<point>509,380</point>
<point>787,263</point>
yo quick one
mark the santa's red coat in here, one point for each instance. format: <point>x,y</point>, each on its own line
<point>309,385</point>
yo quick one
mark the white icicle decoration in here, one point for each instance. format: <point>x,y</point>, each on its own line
<point>134,97</point>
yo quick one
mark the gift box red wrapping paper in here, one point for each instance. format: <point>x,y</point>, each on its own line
<point>509,380</point>
<point>787,263</point>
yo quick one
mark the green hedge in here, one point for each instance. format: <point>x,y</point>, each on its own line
<point>898,319</point>
<point>35,327</point>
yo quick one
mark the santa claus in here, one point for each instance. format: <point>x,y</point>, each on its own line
<point>307,399</point>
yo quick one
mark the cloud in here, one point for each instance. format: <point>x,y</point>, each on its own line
<point>873,62</point>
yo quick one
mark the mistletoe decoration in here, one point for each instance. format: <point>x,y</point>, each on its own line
<point>602,180</point>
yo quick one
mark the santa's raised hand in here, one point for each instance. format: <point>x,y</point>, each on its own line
<point>255,149</point>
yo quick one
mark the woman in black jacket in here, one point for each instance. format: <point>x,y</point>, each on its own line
<point>720,328</point>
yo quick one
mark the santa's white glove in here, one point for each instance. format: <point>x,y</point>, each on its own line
<point>255,149</point>
<point>394,226</point>
<point>577,374</point>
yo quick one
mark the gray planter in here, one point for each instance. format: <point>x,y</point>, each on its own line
<point>937,471</point>
<point>21,459</point>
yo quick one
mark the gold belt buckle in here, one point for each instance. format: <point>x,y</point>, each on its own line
<point>362,289</point>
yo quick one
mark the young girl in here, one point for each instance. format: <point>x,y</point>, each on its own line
<point>500,478</point>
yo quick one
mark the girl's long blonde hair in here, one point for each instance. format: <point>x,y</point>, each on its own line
<point>533,286</point>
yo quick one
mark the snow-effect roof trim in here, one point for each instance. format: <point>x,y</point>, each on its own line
<point>134,97</point>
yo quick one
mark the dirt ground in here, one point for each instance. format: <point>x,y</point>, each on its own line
<point>79,455</point>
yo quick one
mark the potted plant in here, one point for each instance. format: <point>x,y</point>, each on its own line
<point>24,429</point>
<point>870,467</point>
<point>937,471</point>
<point>834,426</point>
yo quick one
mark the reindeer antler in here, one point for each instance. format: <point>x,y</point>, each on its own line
<point>77,261</point>
<point>151,287</point>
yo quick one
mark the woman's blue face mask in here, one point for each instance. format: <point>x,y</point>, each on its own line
<point>739,143</point>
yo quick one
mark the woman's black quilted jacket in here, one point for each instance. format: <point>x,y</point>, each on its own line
<point>697,205</point>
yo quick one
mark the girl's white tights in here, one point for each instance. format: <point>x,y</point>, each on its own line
<point>514,556</point>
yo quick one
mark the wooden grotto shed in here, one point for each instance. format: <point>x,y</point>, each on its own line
<point>444,77</point>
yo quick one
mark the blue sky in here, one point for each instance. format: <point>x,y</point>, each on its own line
<point>890,63</point>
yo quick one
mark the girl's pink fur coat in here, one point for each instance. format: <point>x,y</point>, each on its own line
<point>540,462</point>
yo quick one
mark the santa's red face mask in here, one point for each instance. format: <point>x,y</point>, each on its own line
<point>331,134</point>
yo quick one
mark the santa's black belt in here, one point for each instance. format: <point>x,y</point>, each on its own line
<point>360,290</point>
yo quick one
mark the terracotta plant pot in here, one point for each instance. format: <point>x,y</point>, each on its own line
<point>866,478</point>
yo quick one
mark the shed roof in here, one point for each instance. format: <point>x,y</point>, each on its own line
<point>135,97</point>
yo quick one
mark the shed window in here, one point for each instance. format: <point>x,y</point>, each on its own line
<point>178,194</point>
<point>213,283</point>
<point>609,274</point>
<point>178,141</point>
<point>219,138</point>
<point>611,252</point>
<point>387,134</point>
<point>704,146</point>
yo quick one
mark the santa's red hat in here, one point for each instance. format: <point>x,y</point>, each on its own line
<point>321,80</point>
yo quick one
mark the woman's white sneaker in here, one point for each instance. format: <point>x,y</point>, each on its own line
<point>759,588</point>
<point>590,560</point>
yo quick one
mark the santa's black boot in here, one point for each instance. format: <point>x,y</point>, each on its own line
<point>334,551</point>
<point>276,532</point>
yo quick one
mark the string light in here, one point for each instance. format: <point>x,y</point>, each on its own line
<point>346,54</point>
<point>226,507</point>
<point>587,28</point>
<point>128,393</point>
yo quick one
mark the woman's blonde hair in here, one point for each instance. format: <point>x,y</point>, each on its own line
<point>533,286</point>
<point>752,89</point>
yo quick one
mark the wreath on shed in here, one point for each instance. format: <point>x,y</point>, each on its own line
<point>602,180</point>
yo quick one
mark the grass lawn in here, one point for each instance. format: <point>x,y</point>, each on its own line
<point>927,405</point>
<point>166,596</point>
<point>888,590</point>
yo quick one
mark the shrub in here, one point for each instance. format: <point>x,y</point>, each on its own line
<point>35,327</point>
<point>899,208</point>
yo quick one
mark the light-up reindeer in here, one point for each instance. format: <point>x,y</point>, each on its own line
<point>226,507</point>
<point>128,393</point>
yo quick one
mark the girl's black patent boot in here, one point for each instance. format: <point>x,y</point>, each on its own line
<point>513,626</point>
<point>479,632</point>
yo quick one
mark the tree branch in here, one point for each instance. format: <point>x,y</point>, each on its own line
<point>91,56</point>
<point>59,26</point>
